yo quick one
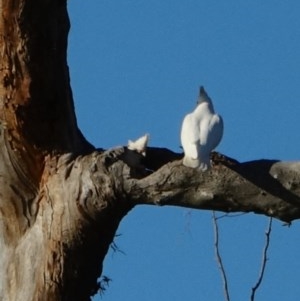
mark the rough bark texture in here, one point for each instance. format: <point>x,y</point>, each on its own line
<point>265,187</point>
<point>61,200</point>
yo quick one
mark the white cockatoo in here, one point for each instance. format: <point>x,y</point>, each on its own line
<point>139,145</point>
<point>136,151</point>
<point>201,132</point>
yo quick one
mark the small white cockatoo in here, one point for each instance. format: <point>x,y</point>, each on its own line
<point>201,132</point>
<point>139,145</point>
<point>136,151</point>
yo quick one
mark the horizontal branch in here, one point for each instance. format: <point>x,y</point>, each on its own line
<point>266,187</point>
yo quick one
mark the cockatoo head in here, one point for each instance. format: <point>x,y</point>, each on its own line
<point>203,96</point>
<point>139,145</point>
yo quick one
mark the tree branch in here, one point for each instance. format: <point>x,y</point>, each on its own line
<point>264,261</point>
<point>266,187</point>
<point>219,258</point>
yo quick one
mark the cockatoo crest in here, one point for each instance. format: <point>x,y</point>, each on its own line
<point>139,145</point>
<point>203,96</point>
<point>135,152</point>
<point>201,132</point>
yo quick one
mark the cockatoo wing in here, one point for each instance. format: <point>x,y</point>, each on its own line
<point>190,136</point>
<point>211,132</point>
<point>190,141</point>
<point>216,131</point>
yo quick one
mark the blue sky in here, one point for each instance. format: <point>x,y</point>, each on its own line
<point>136,67</point>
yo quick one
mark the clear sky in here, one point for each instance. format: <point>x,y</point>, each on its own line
<point>136,67</point>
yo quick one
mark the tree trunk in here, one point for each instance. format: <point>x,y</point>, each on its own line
<point>61,200</point>
<point>52,243</point>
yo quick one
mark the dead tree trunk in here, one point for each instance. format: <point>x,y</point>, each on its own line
<point>48,235</point>
<point>61,200</point>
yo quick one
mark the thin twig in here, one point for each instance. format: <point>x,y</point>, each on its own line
<point>264,261</point>
<point>115,247</point>
<point>231,215</point>
<point>103,284</point>
<point>219,259</point>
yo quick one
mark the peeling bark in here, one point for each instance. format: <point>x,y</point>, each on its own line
<point>61,201</point>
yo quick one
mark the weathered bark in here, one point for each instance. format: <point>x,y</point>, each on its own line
<point>61,200</point>
<point>42,229</point>
<point>265,187</point>
<point>71,222</point>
